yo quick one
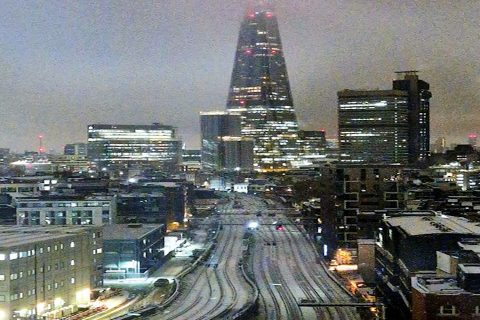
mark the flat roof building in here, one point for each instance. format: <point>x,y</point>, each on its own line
<point>132,250</point>
<point>48,271</point>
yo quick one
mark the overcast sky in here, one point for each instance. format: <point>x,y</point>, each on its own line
<point>66,64</point>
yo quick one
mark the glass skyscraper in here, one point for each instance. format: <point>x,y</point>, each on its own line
<point>260,91</point>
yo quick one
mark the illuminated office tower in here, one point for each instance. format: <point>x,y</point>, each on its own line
<point>373,126</point>
<point>260,91</point>
<point>124,145</point>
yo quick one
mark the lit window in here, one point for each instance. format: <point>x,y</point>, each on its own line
<point>448,310</point>
<point>13,255</point>
<point>2,256</point>
<point>2,277</point>
<point>72,262</point>
<point>72,244</point>
<point>72,280</point>
<point>99,250</point>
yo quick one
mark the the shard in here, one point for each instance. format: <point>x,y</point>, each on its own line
<point>260,91</point>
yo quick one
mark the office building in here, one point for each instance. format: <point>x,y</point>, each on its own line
<point>214,127</point>
<point>75,149</point>
<point>418,115</point>
<point>191,160</point>
<point>125,145</point>
<point>132,250</point>
<point>66,210</point>
<point>238,153</point>
<point>142,207</point>
<point>48,272</point>
<point>373,126</point>
<point>312,144</point>
<point>260,91</point>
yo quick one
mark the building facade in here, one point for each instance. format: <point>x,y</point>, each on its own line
<point>66,210</point>
<point>132,250</point>
<point>418,115</point>
<point>48,272</point>
<point>123,145</point>
<point>215,126</point>
<point>260,91</point>
<point>373,126</point>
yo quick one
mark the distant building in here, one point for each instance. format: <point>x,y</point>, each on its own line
<point>191,160</point>
<point>48,272</point>
<point>66,210</point>
<point>440,145</point>
<point>132,250</point>
<point>472,140</point>
<point>373,126</point>
<point>223,147</point>
<point>311,143</point>
<point>125,145</point>
<point>418,115</point>
<point>75,149</point>
<point>238,153</point>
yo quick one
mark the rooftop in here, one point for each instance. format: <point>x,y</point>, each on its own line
<point>436,284</point>
<point>128,231</point>
<point>418,225</point>
<point>470,268</point>
<point>13,236</point>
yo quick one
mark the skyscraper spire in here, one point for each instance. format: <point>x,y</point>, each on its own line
<point>260,90</point>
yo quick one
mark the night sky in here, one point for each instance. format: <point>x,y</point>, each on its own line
<point>65,64</point>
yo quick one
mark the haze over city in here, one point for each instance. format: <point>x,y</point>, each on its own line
<point>66,64</point>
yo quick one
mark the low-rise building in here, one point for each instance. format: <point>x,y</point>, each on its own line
<point>66,210</point>
<point>132,250</point>
<point>408,245</point>
<point>48,271</point>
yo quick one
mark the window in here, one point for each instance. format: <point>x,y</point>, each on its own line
<point>13,276</point>
<point>61,246</point>
<point>72,262</point>
<point>2,256</point>
<point>72,244</point>
<point>99,250</point>
<point>13,255</point>
<point>448,310</point>
<point>477,310</point>
<point>2,277</point>
<point>72,280</point>
<point>41,250</point>
<point>49,287</point>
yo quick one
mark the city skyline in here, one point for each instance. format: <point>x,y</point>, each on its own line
<point>68,64</point>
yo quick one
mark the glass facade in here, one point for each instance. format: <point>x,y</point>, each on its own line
<point>134,144</point>
<point>260,91</point>
<point>373,126</point>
